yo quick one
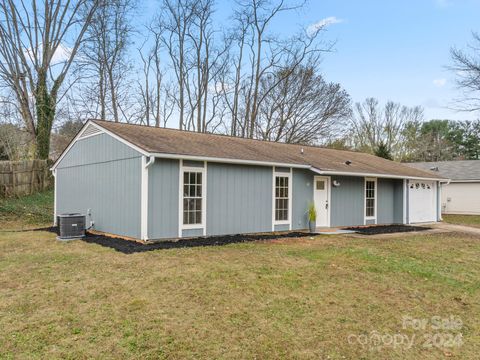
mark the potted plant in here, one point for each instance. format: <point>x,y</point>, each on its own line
<point>312,217</point>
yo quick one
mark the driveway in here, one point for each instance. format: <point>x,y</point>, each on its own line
<point>457,228</point>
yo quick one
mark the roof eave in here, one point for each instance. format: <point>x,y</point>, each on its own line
<point>229,160</point>
<point>386,176</point>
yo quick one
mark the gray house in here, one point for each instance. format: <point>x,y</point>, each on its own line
<point>154,183</point>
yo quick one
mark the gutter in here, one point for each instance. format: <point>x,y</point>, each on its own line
<point>227,160</point>
<point>386,176</point>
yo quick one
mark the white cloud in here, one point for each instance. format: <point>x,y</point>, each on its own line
<point>323,23</point>
<point>439,82</point>
<point>61,54</point>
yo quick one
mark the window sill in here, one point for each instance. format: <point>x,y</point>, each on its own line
<point>192,226</point>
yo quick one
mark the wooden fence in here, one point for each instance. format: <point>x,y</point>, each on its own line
<point>24,177</point>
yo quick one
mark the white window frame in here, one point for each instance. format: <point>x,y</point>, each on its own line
<point>203,171</point>
<point>368,218</point>
<point>290,193</point>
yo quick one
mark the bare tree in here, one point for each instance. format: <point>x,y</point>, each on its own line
<point>175,21</point>
<point>151,85</point>
<point>38,44</point>
<point>257,54</point>
<point>301,108</point>
<point>238,36</point>
<point>105,57</point>
<point>372,125</point>
<point>467,69</point>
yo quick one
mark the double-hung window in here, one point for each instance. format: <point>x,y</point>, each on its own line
<point>282,193</point>
<point>192,197</point>
<point>370,198</point>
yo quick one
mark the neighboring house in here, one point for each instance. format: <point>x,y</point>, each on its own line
<point>155,183</point>
<point>462,194</point>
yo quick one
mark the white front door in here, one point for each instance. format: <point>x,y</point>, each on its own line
<point>321,189</point>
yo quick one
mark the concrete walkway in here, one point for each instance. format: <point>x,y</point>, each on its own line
<point>457,228</point>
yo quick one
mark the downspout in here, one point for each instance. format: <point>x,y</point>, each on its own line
<point>439,197</point>
<point>151,160</point>
<point>144,196</point>
<point>54,174</point>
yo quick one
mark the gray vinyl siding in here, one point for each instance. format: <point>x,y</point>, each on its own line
<point>193,163</point>
<point>302,191</point>
<point>239,199</point>
<point>163,199</point>
<point>390,201</point>
<point>398,195</point>
<point>347,201</point>
<point>97,149</point>
<point>104,175</point>
<point>385,201</point>
<point>281,227</point>
<point>192,233</point>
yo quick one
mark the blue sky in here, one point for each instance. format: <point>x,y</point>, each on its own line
<point>390,49</point>
<point>398,50</point>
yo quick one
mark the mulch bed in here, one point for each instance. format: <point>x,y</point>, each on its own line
<point>130,247</point>
<point>386,229</point>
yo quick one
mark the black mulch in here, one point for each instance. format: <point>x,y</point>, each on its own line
<point>386,229</point>
<point>130,247</point>
<point>52,229</point>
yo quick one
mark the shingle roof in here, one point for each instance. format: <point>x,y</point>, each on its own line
<point>455,170</point>
<point>170,141</point>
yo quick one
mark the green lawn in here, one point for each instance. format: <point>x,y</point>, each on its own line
<point>297,298</point>
<point>27,211</point>
<point>469,220</point>
<point>292,298</point>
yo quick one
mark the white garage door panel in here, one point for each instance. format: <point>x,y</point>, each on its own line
<point>422,201</point>
<point>461,198</point>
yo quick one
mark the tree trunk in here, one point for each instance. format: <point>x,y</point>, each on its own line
<point>45,106</point>
<point>113,94</point>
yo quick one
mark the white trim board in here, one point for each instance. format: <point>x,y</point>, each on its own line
<point>203,225</point>
<point>464,181</point>
<point>373,175</point>
<point>404,199</point>
<point>228,160</point>
<point>365,217</point>
<point>54,173</point>
<point>144,196</point>
<point>290,193</point>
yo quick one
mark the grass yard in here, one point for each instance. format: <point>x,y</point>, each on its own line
<point>27,211</point>
<point>469,220</point>
<point>306,298</point>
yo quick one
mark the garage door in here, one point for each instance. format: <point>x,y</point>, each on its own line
<point>422,201</point>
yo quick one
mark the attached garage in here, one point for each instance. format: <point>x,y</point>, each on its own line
<point>422,201</point>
